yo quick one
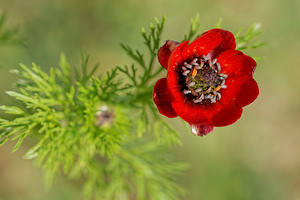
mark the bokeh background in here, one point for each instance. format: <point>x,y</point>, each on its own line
<point>256,158</point>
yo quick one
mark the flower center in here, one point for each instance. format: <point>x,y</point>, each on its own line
<point>203,80</point>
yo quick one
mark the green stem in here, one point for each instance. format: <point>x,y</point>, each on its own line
<point>147,75</point>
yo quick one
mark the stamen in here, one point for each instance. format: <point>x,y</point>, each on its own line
<point>198,90</point>
<point>185,73</point>
<point>208,90</point>
<point>188,65</point>
<point>208,96</point>
<point>201,64</point>
<point>223,75</point>
<point>194,62</point>
<point>210,63</point>
<point>218,88</point>
<point>213,99</point>
<point>198,67</point>
<point>218,96</point>
<point>191,84</point>
<point>218,66</point>
<point>186,91</point>
<point>203,80</point>
<point>214,61</point>
<point>197,100</point>
<point>223,82</point>
<point>194,73</point>
<point>201,97</point>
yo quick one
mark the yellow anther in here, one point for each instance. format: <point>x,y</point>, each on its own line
<point>194,72</point>
<point>217,88</point>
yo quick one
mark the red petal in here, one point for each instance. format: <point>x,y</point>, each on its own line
<point>240,91</point>
<point>190,112</point>
<point>165,52</point>
<point>234,95</point>
<point>202,45</point>
<point>176,57</point>
<point>228,42</point>
<point>201,129</point>
<point>162,98</point>
<point>236,63</point>
<point>234,87</point>
<point>226,116</point>
<point>172,76</point>
<point>248,92</point>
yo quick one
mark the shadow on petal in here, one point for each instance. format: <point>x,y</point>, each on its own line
<point>165,52</point>
<point>226,116</point>
<point>162,98</point>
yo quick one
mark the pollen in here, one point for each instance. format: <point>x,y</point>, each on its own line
<point>217,88</point>
<point>203,80</point>
<point>194,72</point>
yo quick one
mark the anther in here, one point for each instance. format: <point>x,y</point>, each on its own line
<point>201,97</point>
<point>183,68</point>
<point>186,91</point>
<point>218,96</point>
<point>194,62</point>
<point>214,61</point>
<point>198,90</point>
<point>198,67</point>
<point>194,72</point>
<point>197,100</point>
<point>223,86</point>
<point>213,99</point>
<point>218,88</point>
<point>223,82</point>
<point>205,58</point>
<point>185,73</point>
<point>188,65</point>
<point>210,63</point>
<point>201,64</point>
<point>208,90</point>
<point>218,66</point>
<point>223,75</point>
<point>208,96</point>
<point>191,84</point>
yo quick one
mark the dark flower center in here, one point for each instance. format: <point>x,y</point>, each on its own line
<point>202,80</point>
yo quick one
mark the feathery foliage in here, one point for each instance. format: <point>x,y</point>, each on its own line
<point>245,41</point>
<point>82,126</point>
<point>8,36</point>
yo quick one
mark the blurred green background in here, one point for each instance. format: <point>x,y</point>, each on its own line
<point>256,158</point>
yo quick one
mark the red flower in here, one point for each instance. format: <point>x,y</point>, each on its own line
<point>208,81</point>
